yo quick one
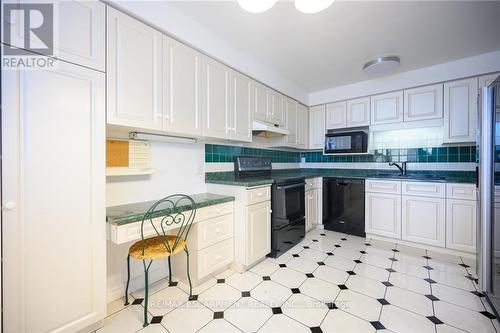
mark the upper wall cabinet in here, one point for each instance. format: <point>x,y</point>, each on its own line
<point>486,80</point>
<point>336,115</point>
<point>291,122</point>
<point>358,112</point>
<point>460,110</point>
<point>423,103</point>
<point>302,127</point>
<point>240,108</point>
<point>316,127</point>
<point>276,108</point>
<point>215,98</point>
<point>134,72</point>
<point>260,108</point>
<point>81,37</point>
<point>387,108</point>
<point>181,88</point>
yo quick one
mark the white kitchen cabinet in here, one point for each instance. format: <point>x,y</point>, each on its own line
<point>302,126</point>
<point>258,224</point>
<point>317,127</point>
<point>276,109</point>
<point>239,127</point>
<point>383,214</point>
<point>81,33</point>
<point>423,103</point>
<point>423,220</point>
<point>260,107</point>
<point>181,88</point>
<point>358,112</point>
<point>461,225</point>
<point>291,122</point>
<point>134,72</point>
<point>386,108</point>
<point>336,115</point>
<point>54,235</point>
<point>485,80</point>
<point>460,110</point>
<point>311,207</point>
<point>215,98</point>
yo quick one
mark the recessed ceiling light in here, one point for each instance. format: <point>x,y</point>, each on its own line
<point>381,65</point>
<point>312,6</point>
<point>256,6</point>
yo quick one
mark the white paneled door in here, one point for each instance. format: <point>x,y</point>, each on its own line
<point>460,110</point>
<point>423,103</point>
<point>336,115</point>
<point>258,225</point>
<point>240,110</point>
<point>387,108</point>
<point>423,220</point>
<point>383,214</point>
<point>317,127</point>
<point>53,215</point>
<point>358,112</point>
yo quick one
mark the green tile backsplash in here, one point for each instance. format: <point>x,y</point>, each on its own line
<point>221,153</point>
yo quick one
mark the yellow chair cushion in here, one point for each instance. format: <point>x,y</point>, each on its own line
<point>154,247</point>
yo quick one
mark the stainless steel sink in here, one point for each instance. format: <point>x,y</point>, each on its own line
<point>416,177</point>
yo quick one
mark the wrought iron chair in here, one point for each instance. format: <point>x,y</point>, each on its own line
<point>181,212</point>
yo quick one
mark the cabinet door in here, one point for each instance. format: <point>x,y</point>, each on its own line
<point>54,237</point>
<point>240,109</point>
<point>336,115</point>
<point>181,88</point>
<point>302,126</point>
<point>383,214</point>
<point>260,107</point>
<point>317,127</point>
<point>310,209</point>
<point>461,225</point>
<point>486,80</point>
<point>291,122</point>
<point>387,108</point>
<point>277,108</point>
<point>358,112</point>
<point>215,98</point>
<point>423,103</point>
<point>423,220</point>
<point>80,37</point>
<point>258,231</point>
<point>460,110</point>
<point>134,73</point>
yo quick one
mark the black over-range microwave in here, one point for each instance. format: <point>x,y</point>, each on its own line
<point>355,142</point>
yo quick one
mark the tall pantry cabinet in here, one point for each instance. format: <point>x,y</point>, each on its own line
<point>53,183</point>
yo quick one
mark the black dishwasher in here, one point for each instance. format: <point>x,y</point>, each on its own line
<point>344,205</point>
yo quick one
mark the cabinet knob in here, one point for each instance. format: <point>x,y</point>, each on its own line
<point>9,205</point>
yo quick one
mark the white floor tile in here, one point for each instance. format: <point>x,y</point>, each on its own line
<point>282,259</point>
<point>265,268</point>
<point>343,322</point>
<point>153,288</point>
<point>358,304</point>
<point>444,257</point>
<point>248,314</point>
<point>376,260</point>
<point>443,328</point>
<point>166,300</point>
<point>372,272</point>
<point>379,244</point>
<point>155,328</point>
<point>198,289</point>
<point>366,286</point>
<point>127,320</point>
<point>457,296</point>
<point>330,274</point>
<point>288,277</point>
<point>416,270</point>
<point>305,309</point>
<point>302,265</point>
<point>320,290</point>
<point>450,279</point>
<point>340,263</point>
<point>271,293</point>
<point>323,244</point>
<point>218,326</point>
<point>281,324</point>
<point>404,249</point>
<point>447,267</point>
<point>313,255</point>
<point>410,259</point>
<point>457,316</point>
<point>219,297</point>
<point>402,321</point>
<point>224,275</point>
<point>411,283</point>
<point>347,253</point>
<point>189,317</point>
<point>409,300</point>
<point>117,305</point>
<point>244,282</point>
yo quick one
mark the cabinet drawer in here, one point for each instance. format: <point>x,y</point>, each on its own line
<point>423,189</point>
<point>215,257</point>
<point>461,191</point>
<point>210,212</point>
<point>215,230</point>
<point>258,195</point>
<point>383,186</point>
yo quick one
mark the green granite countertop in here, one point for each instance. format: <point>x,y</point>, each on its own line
<point>227,178</point>
<point>123,214</point>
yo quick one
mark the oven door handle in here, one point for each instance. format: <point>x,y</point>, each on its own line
<point>279,187</point>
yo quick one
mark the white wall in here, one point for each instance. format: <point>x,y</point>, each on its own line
<point>477,65</point>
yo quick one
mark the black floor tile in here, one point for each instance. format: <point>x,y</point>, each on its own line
<point>435,320</point>
<point>377,325</point>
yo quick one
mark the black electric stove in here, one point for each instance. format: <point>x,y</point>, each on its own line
<point>287,202</point>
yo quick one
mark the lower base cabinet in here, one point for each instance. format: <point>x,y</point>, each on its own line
<point>461,225</point>
<point>383,214</point>
<point>313,202</point>
<point>423,220</point>
<point>258,223</point>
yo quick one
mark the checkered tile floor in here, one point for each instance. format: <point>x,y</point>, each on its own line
<point>330,282</point>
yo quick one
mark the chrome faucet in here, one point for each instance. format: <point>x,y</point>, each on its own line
<point>402,168</point>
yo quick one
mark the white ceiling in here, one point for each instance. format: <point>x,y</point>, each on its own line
<point>328,49</point>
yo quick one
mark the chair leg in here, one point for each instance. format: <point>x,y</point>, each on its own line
<point>146,292</point>
<point>170,283</point>
<point>188,275</point>
<point>128,280</point>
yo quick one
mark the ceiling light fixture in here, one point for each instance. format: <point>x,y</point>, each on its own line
<point>381,65</point>
<point>312,6</point>
<point>256,6</point>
